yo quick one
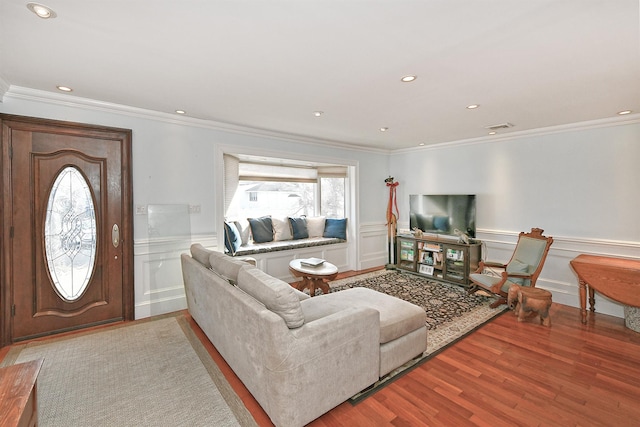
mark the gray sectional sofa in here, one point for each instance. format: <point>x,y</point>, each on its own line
<point>298,356</point>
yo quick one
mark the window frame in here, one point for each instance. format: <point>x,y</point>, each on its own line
<point>351,188</point>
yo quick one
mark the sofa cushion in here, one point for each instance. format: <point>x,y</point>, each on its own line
<point>397,317</point>
<point>281,229</point>
<point>275,294</point>
<point>201,254</point>
<point>261,229</point>
<point>315,226</point>
<point>232,239</point>
<point>337,228</point>
<point>226,266</point>
<point>299,228</point>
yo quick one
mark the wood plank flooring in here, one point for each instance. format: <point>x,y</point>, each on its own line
<point>505,374</point>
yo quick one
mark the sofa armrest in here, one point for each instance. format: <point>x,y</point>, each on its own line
<point>331,359</point>
<point>336,330</point>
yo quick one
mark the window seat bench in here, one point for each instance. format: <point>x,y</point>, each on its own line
<point>283,245</point>
<point>274,257</point>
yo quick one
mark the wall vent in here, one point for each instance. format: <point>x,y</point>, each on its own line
<point>499,126</point>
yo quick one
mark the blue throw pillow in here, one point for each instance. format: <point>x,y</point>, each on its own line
<point>335,228</point>
<point>232,239</point>
<point>261,229</point>
<point>299,228</point>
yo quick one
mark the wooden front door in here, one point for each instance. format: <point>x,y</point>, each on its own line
<point>67,261</point>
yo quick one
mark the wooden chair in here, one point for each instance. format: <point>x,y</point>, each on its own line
<point>523,269</point>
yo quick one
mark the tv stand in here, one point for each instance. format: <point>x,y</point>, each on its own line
<point>438,257</point>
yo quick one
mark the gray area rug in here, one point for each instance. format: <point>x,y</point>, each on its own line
<point>452,313</point>
<point>150,373</point>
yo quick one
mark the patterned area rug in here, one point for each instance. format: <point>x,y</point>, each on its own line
<point>452,313</point>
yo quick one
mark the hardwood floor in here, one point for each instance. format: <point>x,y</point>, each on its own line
<point>505,374</point>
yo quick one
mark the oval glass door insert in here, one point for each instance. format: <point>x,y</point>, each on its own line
<point>70,234</point>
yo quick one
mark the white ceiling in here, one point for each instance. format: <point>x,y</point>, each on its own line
<point>269,64</point>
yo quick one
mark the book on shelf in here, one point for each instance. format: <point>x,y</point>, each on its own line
<point>434,247</point>
<point>311,262</point>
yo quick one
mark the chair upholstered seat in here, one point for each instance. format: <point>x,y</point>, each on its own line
<point>487,282</point>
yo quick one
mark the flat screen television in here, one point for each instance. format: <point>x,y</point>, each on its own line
<point>443,213</point>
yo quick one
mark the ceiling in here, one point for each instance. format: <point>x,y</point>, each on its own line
<point>269,65</point>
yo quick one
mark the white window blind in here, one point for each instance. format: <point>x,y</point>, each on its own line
<point>332,171</point>
<point>263,172</point>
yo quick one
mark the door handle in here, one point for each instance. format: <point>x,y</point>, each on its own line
<point>115,235</point>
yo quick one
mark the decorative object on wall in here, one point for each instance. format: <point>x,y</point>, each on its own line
<point>392,219</point>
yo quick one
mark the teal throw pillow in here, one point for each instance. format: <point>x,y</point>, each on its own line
<point>337,228</point>
<point>299,228</point>
<point>232,239</point>
<point>261,229</point>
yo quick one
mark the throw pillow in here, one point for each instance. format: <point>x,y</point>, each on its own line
<point>299,228</point>
<point>261,229</point>
<point>281,229</point>
<point>232,240</point>
<point>245,231</point>
<point>315,226</point>
<point>336,228</point>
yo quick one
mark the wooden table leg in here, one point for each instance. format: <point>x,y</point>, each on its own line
<point>320,283</point>
<point>583,301</point>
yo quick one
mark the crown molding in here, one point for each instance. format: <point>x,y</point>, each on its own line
<point>4,88</point>
<point>66,100</point>
<point>551,130</point>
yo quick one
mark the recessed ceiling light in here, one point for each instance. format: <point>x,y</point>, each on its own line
<point>181,112</point>
<point>493,132</point>
<point>622,113</point>
<point>384,129</point>
<point>41,10</point>
<point>318,113</point>
<point>64,88</point>
<point>421,144</point>
<point>472,106</point>
<point>408,79</point>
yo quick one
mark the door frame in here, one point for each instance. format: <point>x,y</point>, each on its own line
<point>6,209</point>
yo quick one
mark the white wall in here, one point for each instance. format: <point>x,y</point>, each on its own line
<point>174,162</point>
<point>580,185</point>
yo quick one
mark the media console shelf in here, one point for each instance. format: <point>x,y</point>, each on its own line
<point>439,257</point>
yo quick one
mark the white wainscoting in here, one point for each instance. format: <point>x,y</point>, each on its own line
<point>158,274</point>
<point>557,275</point>
<point>159,287</point>
<point>276,263</point>
<point>372,246</point>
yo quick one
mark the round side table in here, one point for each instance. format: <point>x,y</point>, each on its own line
<point>313,277</point>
